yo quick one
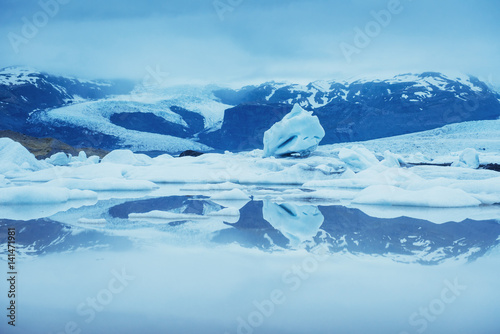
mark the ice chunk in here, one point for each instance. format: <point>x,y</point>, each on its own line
<point>127,157</point>
<point>434,215</point>
<point>14,156</point>
<point>226,212</point>
<point>297,134</point>
<point>59,159</point>
<point>90,221</point>
<point>3,182</point>
<point>391,159</point>
<point>42,195</point>
<point>441,197</point>
<point>93,159</point>
<point>468,158</point>
<point>104,184</point>
<point>297,223</point>
<point>82,156</point>
<point>357,157</point>
<point>165,215</point>
<point>235,194</point>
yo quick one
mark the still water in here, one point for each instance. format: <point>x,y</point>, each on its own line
<point>185,264</point>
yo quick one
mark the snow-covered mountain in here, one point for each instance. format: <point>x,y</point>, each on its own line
<point>110,115</point>
<point>359,109</point>
<point>25,91</point>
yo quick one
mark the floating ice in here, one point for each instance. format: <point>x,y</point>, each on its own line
<point>14,156</point>
<point>441,197</point>
<point>298,133</point>
<point>82,156</point>
<point>357,157</point>
<point>42,195</point>
<point>59,159</point>
<point>468,158</point>
<point>235,194</point>
<point>104,184</point>
<point>90,221</point>
<point>127,157</point>
<point>391,159</point>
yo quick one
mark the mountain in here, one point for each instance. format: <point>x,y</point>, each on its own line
<point>359,109</point>
<point>111,115</point>
<point>25,91</point>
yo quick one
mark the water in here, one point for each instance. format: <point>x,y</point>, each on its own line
<point>300,267</point>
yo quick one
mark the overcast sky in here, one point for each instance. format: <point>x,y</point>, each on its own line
<point>244,41</point>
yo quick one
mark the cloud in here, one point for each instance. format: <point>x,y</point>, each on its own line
<point>256,40</point>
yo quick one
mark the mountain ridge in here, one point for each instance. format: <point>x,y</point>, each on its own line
<point>111,115</point>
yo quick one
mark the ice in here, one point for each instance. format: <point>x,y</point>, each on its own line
<point>212,221</point>
<point>434,215</point>
<point>42,195</point>
<point>235,194</point>
<point>3,182</point>
<point>297,223</point>
<point>391,159</point>
<point>127,157</point>
<point>103,184</point>
<point>59,159</point>
<point>468,158</point>
<point>440,197</point>
<point>298,133</point>
<point>93,159</point>
<point>226,212</point>
<point>13,156</point>
<point>82,156</point>
<point>90,221</point>
<point>357,157</point>
<point>165,215</point>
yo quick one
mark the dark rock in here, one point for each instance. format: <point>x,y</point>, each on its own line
<point>190,153</point>
<point>495,167</point>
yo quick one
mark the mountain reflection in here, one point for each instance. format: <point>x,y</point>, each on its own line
<point>268,225</point>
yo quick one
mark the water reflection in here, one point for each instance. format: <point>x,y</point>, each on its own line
<point>266,225</point>
<point>297,223</point>
<point>44,236</point>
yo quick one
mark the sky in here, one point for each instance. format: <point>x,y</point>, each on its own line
<point>231,42</point>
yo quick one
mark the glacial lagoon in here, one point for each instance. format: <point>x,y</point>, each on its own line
<point>181,262</point>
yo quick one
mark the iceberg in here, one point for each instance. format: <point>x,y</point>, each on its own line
<point>435,197</point>
<point>359,158</point>
<point>59,159</point>
<point>43,195</point>
<point>127,157</point>
<point>297,134</point>
<point>14,156</point>
<point>469,158</point>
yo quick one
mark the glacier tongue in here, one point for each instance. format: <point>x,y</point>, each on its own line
<point>297,134</point>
